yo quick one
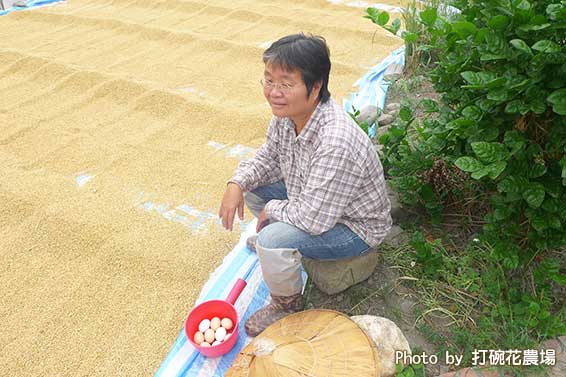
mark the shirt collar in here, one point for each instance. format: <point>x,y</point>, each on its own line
<point>311,129</point>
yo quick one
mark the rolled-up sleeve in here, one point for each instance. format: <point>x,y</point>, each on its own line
<point>332,183</point>
<point>263,168</point>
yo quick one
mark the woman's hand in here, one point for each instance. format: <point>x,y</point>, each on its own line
<point>233,200</point>
<point>262,221</point>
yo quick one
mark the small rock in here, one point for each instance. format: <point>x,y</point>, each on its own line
<point>21,4</point>
<point>393,72</point>
<point>559,347</point>
<point>398,213</point>
<point>396,237</point>
<point>387,337</point>
<point>368,114</point>
<point>385,119</point>
<point>393,107</point>
<point>382,130</point>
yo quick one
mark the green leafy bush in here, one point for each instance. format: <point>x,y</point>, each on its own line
<point>500,68</point>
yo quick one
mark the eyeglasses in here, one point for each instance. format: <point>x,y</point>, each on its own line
<point>285,88</point>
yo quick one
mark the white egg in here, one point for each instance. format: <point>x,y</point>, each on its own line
<point>227,323</point>
<point>215,323</point>
<point>199,337</point>
<point>209,335</point>
<point>216,342</point>
<point>227,336</point>
<point>220,334</point>
<point>204,325</point>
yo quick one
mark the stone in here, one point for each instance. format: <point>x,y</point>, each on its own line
<point>385,120</point>
<point>393,72</point>
<point>335,276</point>
<point>368,114</point>
<point>398,213</point>
<point>387,338</point>
<point>395,237</point>
<point>393,108</point>
<point>559,347</point>
<point>382,130</point>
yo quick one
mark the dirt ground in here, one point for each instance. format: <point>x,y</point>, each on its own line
<point>120,122</point>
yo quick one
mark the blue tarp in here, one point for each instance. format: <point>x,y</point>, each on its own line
<point>372,88</point>
<point>31,4</point>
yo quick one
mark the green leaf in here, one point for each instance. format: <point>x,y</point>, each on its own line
<point>372,14</point>
<point>410,37</point>
<point>517,107</point>
<point>482,80</point>
<point>479,174</point>
<point>519,85</point>
<point>520,45</point>
<point>485,104</point>
<point>562,163</point>
<point>428,16</point>
<point>522,5</point>
<point>489,57</point>
<point>468,164</point>
<point>496,169</point>
<point>395,26</point>
<point>553,221</point>
<point>489,134</point>
<point>502,213</point>
<point>514,140</point>
<point>436,143</point>
<point>430,106</point>
<point>490,152</point>
<point>558,101</point>
<point>533,27</point>
<point>499,22</point>
<point>499,94</point>
<point>464,28</point>
<point>481,34</point>
<point>513,184</point>
<point>546,46</point>
<point>472,112</point>
<point>538,106</point>
<point>539,223</point>
<point>553,187</point>
<point>383,18</point>
<point>534,194</point>
<point>474,78</point>
<point>534,308</point>
<point>537,170</point>
<point>556,12</point>
<point>459,123</point>
<point>405,114</point>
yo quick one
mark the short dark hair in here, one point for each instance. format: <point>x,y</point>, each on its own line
<point>307,53</point>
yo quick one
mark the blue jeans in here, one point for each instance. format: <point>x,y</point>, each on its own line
<point>337,243</point>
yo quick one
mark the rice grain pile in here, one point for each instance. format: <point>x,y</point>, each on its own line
<point>96,278</point>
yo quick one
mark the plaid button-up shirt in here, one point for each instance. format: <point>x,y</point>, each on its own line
<point>331,171</point>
